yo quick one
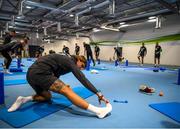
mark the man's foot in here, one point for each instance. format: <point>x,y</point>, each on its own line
<point>6,71</point>
<point>19,101</point>
<point>104,111</point>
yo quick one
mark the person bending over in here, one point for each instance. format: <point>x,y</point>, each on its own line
<point>8,36</point>
<point>43,77</point>
<point>65,50</point>
<point>8,48</point>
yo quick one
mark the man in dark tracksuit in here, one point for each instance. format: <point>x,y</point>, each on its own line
<point>65,50</point>
<point>87,49</point>
<point>43,76</point>
<point>10,47</point>
<point>8,37</point>
<point>157,54</point>
<point>141,54</point>
<point>77,49</point>
<point>118,54</point>
<point>97,52</point>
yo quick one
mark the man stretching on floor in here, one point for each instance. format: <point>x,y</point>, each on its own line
<point>43,76</point>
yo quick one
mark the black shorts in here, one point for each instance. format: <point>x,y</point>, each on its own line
<point>157,56</point>
<point>40,80</point>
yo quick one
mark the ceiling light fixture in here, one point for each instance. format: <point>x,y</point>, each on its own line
<point>71,15</point>
<point>122,23</point>
<point>28,7</point>
<point>151,20</point>
<point>152,17</point>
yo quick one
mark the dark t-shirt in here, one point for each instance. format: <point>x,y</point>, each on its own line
<point>7,38</point>
<point>41,50</point>
<point>66,50</point>
<point>142,51</point>
<point>117,52</point>
<point>12,46</point>
<point>77,48</point>
<point>158,50</point>
<point>87,47</point>
<point>59,65</point>
<point>97,49</point>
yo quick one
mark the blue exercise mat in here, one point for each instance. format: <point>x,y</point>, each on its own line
<point>171,110</point>
<point>14,82</point>
<point>15,73</point>
<point>31,112</point>
<point>99,68</point>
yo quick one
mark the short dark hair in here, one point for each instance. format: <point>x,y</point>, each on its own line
<point>12,30</point>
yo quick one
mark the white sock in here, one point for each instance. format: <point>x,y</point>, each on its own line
<point>19,101</point>
<point>100,112</point>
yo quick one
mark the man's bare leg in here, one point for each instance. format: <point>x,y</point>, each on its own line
<point>61,88</point>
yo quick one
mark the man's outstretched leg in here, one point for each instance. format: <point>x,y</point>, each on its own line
<point>61,88</point>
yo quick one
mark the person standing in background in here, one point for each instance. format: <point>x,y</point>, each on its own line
<point>65,50</point>
<point>77,49</point>
<point>157,54</point>
<point>88,51</point>
<point>97,52</point>
<point>141,54</point>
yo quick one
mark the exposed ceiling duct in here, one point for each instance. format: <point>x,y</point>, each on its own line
<point>168,6</point>
<point>138,16</point>
<point>86,14</point>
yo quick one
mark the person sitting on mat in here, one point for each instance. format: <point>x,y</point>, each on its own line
<point>11,47</point>
<point>157,54</point>
<point>43,77</point>
<point>141,54</point>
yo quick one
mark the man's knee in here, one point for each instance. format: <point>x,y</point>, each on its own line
<point>60,87</point>
<point>65,90</point>
<point>47,95</point>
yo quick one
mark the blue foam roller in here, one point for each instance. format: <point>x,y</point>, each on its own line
<point>178,82</point>
<point>99,61</point>
<point>15,69</point>
<point>120,101</point>
<point>127,63</point>
<point>116,62</point>
<point>88,65</point>
<point>1,88</point>
<point>18,63</point>
<point>162,68</point>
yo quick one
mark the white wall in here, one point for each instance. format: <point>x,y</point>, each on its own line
<point>57,46</point>
<point>171,50</point>
<point>169,55</point>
